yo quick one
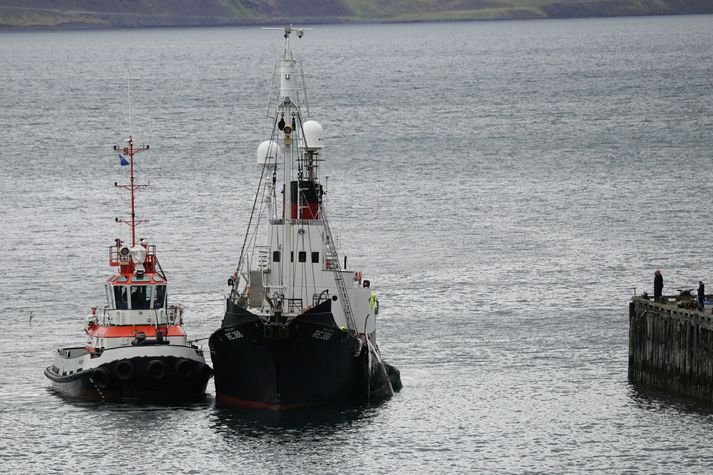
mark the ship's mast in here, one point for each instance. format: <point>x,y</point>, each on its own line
<point>288,133</point>
<point>288,106</point>
<point>130,151</point>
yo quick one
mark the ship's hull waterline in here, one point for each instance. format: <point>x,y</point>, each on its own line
<point>136,379</point>
<point>306,362</point>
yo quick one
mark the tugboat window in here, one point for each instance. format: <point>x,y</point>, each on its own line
<point>275,256</point>
<point>121,297</point>
<point>292,256</point>
<point>160,296</point>
<point>315,257</point>
<point>303,256</point>
<point>141,297</point>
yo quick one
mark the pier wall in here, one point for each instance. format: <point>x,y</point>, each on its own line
<point>671,348</point>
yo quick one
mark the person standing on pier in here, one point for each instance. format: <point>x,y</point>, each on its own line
<point>658,285</point>
<point>701,295</point>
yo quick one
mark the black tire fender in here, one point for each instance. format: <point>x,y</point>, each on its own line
<point>124,370</point>
<point>156,369</point>
<point>184,368</point>
<point>101,376</point>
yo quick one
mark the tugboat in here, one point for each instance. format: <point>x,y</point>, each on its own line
<point>136,348</point>
<point>299,327</point>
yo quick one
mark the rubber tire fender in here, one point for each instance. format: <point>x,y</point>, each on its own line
<point>124,370</point>
<point>184,368</point>
<point>101,376</point>
<point>156,369</point>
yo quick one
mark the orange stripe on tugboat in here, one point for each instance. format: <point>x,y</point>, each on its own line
<point>130,331</point>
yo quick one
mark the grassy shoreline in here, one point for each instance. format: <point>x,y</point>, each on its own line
<point>69,14</point>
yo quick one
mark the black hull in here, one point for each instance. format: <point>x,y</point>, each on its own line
<point>304,363</point>
<point>141,379</point>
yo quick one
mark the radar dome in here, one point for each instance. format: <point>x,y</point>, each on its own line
<point>313,138</point>
<point>267,153</point>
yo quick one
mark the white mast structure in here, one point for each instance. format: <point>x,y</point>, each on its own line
<point>299,267</point>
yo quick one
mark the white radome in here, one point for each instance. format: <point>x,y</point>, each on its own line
<point>313,135</point>
<point>267,153</point>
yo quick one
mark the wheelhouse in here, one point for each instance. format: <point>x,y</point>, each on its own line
<point>136,293</point>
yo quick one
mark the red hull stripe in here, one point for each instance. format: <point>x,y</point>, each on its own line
<point>129,331</point>
<point>234,401</point>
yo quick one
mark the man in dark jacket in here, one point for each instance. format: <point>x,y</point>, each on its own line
<point>658,285</point>
<point>701,295</point>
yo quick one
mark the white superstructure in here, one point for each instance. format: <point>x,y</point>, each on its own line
<point>289,261</point>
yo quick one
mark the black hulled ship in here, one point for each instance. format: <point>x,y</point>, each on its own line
<point>299,327</point>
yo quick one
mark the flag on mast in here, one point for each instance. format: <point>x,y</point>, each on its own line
<point>122,160</point>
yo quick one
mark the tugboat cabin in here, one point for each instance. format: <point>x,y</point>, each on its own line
<point>137,311</point>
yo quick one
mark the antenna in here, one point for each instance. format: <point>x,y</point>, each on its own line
<point>132,186</point>
<point>288,31</point>
<point>128,89</point>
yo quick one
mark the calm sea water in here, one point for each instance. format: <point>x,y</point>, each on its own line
<point>504,185</point>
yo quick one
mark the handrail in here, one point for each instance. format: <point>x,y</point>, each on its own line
<point>339,279</point>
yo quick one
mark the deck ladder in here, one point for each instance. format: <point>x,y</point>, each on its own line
<point>339,279</point>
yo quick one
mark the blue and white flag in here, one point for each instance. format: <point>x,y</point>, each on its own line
<point>122,160</point>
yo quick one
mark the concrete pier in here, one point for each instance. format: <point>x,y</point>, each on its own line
<point>671,346</point>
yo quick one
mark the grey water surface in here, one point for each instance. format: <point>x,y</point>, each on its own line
<point>504,185</point>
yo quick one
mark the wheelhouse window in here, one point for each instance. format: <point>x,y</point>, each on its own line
<point>302,256</point>
<point>160,296</point>
<point>141,296</point>
<point>315,257</point>
<point>275,256</point>
<point>121,297</point>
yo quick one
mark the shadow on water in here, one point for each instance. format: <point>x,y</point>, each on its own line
<point>653,399</point>
<point>206,402</point>
<point>321,420</point>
